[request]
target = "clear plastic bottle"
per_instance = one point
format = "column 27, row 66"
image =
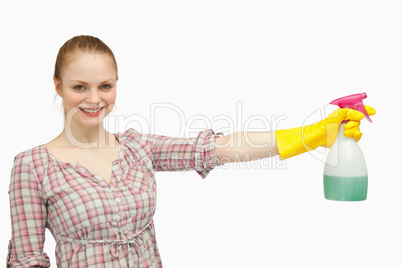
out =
column 345, row 170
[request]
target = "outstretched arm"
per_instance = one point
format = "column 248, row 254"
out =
column 245, row 146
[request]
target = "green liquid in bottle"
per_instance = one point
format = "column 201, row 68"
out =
column 345, row 188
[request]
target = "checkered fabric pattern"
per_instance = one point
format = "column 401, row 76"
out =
column 96, row 224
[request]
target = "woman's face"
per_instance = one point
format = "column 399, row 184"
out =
column 88, row 82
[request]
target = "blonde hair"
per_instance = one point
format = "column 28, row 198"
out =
column 81, row 43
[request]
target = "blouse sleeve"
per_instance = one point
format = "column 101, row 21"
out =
column 28, row 217
column 179, row 154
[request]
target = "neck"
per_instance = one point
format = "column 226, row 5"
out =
column 81, row 136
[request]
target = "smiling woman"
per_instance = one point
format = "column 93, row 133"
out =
column 94, row 190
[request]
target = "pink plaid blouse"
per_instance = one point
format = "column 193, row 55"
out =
column 93, row 223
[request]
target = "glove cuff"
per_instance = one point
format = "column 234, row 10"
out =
column 295, row 141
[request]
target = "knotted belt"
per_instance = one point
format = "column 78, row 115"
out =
column 135, row 239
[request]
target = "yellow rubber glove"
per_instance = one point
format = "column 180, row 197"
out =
column 295, row 141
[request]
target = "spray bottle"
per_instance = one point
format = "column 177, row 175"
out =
column 345, row 170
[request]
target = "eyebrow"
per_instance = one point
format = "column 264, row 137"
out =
column 82, row 82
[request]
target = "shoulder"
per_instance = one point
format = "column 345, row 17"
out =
column 137, row 142
column 131, row 135
column 34, row 159
column 131, row 132
column 30, row 154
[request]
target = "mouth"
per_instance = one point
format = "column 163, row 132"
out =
column 91, row 111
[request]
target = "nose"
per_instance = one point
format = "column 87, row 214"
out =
column 93, row 96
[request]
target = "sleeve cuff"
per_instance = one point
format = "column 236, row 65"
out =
column 204, row 154
column 25, row 261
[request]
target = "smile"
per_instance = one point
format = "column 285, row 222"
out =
column 90, row 111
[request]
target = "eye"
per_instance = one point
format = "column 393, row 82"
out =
column 79, row 87
column 106, row 86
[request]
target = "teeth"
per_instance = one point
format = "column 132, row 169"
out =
column 91, row 111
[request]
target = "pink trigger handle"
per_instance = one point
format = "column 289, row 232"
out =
column 355, row 102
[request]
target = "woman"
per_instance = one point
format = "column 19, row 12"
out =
column 95, row 191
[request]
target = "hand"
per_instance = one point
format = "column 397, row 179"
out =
column 352, row 129
column 291, row 142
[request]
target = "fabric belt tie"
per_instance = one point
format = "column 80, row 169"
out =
column 135, row 239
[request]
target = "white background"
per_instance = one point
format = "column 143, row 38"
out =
column 275, row 58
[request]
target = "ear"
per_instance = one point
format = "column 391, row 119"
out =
column 57, row 85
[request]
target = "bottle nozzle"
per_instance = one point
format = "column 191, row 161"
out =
column 354, row 101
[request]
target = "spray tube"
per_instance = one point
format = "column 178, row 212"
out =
column 345, row 170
